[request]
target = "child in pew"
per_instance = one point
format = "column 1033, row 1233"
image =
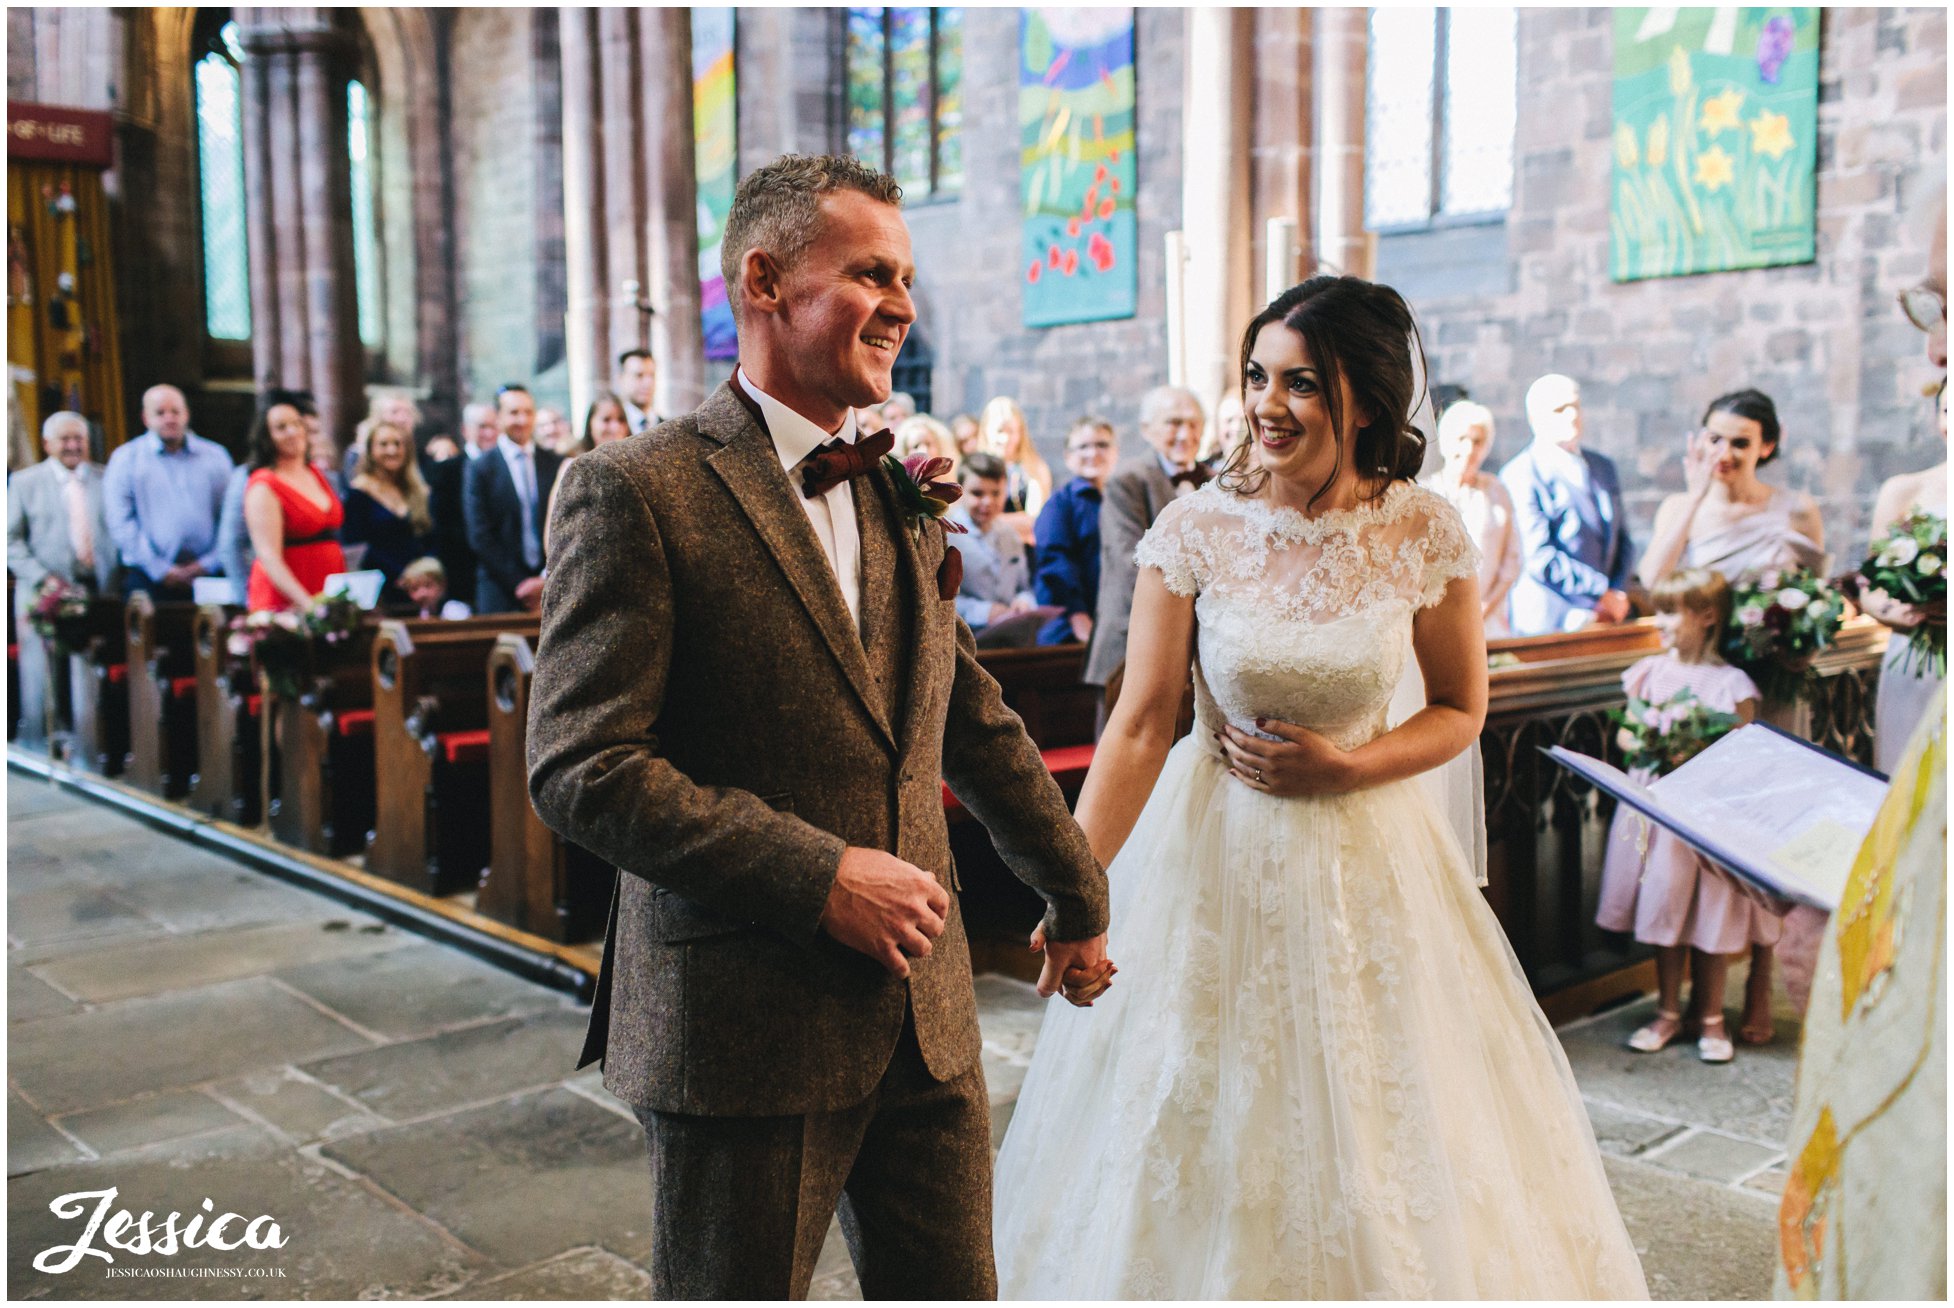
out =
column 426, row 583
column 1652, row 883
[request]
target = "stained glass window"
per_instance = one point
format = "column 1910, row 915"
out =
column 905, row 95
column 1440, row 114
column 220, row 170
column 366, row 251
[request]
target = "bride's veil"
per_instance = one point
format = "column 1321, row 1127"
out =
column 1458, row 787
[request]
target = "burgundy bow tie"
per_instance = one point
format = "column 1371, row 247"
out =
column 837, row 461
column 1197, row 476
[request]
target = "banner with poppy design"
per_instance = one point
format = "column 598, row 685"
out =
column 1076, row 165
column 1716, row 140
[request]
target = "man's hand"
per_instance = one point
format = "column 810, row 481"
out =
column 183, row 574
column 1081, row 626
column 529, row 593
column 885, row 908
column 1611, row 607
column 1078, row 967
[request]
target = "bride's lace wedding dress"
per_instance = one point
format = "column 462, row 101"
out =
column 1321, row 1073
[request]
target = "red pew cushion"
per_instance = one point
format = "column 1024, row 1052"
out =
column 1066, row 763
column 118, row 673
column 464, row 746
column 355, row 722
column 13, row 649
column 183, row 687
column 252, row 703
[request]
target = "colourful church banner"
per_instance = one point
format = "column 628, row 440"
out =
column 715, row 132
column 1716, row 140
column 1076, row 165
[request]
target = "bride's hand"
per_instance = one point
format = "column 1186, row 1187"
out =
column 1302, row 762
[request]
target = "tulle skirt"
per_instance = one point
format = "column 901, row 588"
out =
column 1320, row 1074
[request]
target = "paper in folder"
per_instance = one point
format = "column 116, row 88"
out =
column 1774, row 810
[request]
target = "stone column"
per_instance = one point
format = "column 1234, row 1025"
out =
column 672, row 211
column 1282, row 152
column 295, row 124
column 1340, row 43
column 1216, row 116
column 586, row 321
column 622, row 203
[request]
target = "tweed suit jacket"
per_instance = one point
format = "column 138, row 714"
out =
column 1134, row 496
column 707, row 716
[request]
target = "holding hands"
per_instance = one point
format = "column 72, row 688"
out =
column 1077, row 968
column 1301, row 762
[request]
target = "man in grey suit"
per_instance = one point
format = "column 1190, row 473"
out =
column 55, row 525
column 751, row 682
column 1171, row 421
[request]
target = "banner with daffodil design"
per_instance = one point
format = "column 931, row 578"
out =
column 1716, row 140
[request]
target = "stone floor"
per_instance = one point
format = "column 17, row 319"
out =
column 182, row 1028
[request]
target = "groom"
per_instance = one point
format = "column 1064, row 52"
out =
column 751, row 679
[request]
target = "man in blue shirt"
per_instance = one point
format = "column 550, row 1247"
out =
column 1068, row 533
column 162, row 495
column 1567, row 505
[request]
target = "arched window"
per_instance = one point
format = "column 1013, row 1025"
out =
column 220, row 174
column 360, row 153
column 905, row 96
column 1438, row 143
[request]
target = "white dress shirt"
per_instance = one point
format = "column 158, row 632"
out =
column 832, row 515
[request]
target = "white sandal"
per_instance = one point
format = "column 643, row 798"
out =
column 1715, row 1048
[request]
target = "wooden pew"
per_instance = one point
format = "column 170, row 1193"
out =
column 1042, row 685
column 321, row 785
column 431, row 750
column 535, row 880
column 160, row 641
column 226, row 782
column 98, row 686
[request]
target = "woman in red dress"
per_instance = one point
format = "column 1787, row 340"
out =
column 290, row 509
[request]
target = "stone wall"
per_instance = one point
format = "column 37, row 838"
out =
column 1501, row 304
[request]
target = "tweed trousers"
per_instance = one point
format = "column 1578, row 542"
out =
column 908, row 1170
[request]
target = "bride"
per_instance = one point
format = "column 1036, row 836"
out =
column 1322, row 1074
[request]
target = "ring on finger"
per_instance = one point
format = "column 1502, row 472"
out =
column 1258, row 776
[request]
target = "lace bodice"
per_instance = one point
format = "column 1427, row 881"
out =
column 1307, row 620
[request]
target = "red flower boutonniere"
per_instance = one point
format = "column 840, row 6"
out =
column 922, row 497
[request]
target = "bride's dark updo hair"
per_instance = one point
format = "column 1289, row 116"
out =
column 1361, row 332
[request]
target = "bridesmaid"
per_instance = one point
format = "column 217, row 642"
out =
column 1905, row 692
column 289, row 508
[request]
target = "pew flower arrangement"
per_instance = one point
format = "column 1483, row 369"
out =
column 1659, row 738
column 1910, row 565
column 59, row 605
column 284, row 641
column 1780, row 620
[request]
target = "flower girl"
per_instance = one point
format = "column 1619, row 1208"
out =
column 1651, row 882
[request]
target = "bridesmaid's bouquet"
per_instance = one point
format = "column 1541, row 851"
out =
column 1910, row 565
column 59, row 612
column 1659, row 738
column 1780, row 620
column 283, row 642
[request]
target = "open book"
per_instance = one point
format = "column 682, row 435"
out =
column 1774, row 810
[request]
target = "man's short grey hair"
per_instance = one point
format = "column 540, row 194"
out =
column 1549, row 393
column 59, row 419
column 476, row 411
column 778, row 209
column 1155, row 403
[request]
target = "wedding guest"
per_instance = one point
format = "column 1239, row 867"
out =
column 387, row 504
column 996, row 574
column 56, row 527
column 425, row 583
column 1726, row 517
column 324, row 453
column 1068, row 533
column 635, row 383
column 605, row 421
column 1907, row 687
column 1170, row 423
column 396, row 407
column 1574, row 537
column 478, row 426
column 162, row 493
column 964, row 428
column 922, row 434
column 1229, row 430
column 1029, row 484
column 444, row 478
column 1465, row 433
column 290, row 509
column 553, row 432
column 233, row 537
column 503, row 501
column 1654, row 885
column 440, row 449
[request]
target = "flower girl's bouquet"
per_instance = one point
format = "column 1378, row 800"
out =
column 1910, row 565
column 1779, row 622
column 1659, row 738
